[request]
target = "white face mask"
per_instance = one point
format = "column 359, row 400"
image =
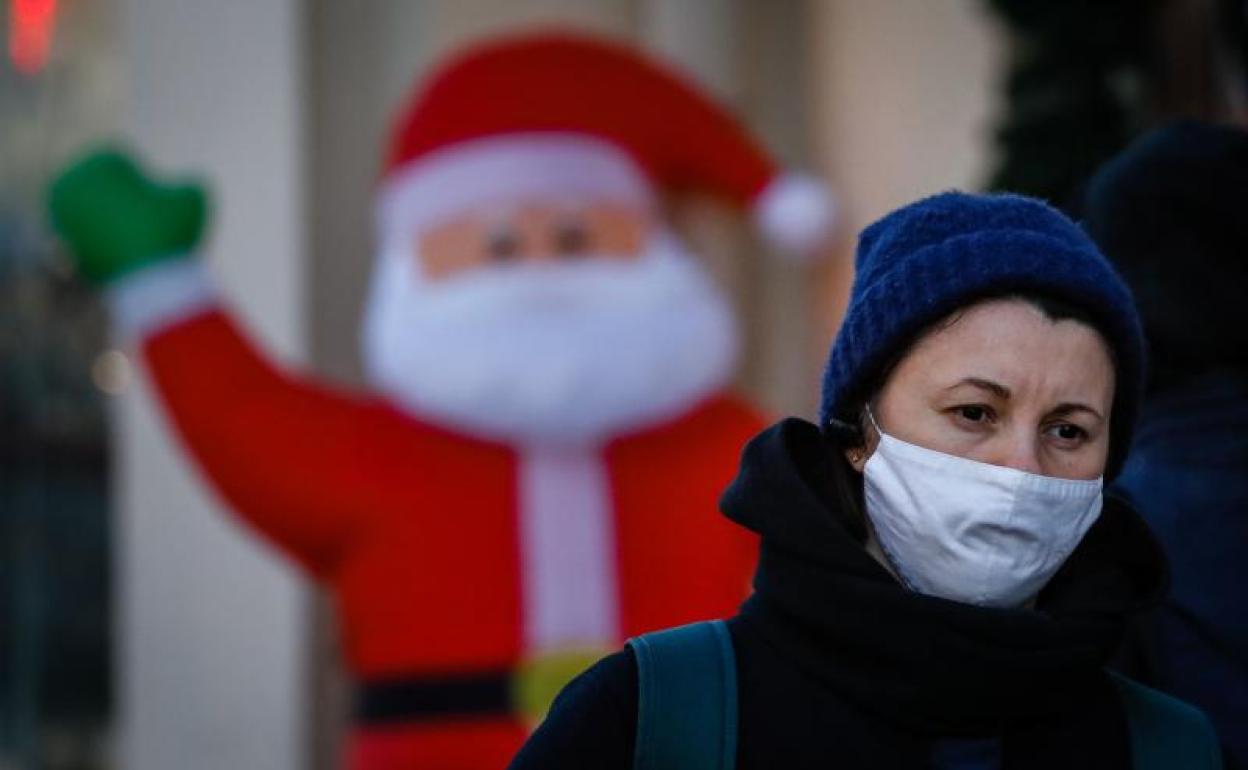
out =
column 969, row 531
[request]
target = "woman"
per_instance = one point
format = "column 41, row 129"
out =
column 940, row 582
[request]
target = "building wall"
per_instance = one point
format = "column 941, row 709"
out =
column 211, row 625
column 904, row 93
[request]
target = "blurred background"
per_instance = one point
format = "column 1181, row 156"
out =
column 141, row 629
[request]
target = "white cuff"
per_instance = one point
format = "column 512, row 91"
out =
column 160, row 295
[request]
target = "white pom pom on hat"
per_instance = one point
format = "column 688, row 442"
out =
column 796, row 212
column 563, row 114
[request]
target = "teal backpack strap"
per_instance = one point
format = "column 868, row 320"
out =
column 687, row 699
column 1165, row 732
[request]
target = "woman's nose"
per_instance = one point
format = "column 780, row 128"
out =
column 1020, row 452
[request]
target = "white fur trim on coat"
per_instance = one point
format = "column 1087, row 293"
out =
column 567, row 534
column 160, row 295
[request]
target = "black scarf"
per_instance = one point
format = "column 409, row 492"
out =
column 934, row 667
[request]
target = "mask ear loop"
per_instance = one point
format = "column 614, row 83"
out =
column 861, row 434
column 871, row 417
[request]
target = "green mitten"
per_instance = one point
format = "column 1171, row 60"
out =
column 116, row 220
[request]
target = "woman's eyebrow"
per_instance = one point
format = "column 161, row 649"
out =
column 995, row 388
column 1074, row 406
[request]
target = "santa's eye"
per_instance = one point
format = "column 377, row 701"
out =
column 571, row 237
column 503, row 244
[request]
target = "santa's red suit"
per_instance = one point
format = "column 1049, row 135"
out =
column 435, row 545
column 526, row 488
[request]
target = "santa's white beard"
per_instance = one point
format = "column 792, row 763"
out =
column 571, row 352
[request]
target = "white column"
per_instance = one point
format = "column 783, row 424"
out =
column 211, row 623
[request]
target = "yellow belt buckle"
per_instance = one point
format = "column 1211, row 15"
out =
column 539, row 678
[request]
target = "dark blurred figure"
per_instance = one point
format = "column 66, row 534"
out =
column 1172, row 211
column 1232, row 23
column 1065, row 106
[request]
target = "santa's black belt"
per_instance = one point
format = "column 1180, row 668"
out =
column 417, row 699
column 523, row 691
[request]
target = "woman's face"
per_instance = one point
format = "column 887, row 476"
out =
column 1001, row 383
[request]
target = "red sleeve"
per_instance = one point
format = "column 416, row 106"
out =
column 292, row 458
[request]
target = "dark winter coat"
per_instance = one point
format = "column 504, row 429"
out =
column 839, row 666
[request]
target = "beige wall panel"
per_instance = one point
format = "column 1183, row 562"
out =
column 904, row 94
column 211, row 623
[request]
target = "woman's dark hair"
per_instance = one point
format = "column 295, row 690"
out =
column 851, row 433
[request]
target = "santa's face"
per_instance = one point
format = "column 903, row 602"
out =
column 547, row 324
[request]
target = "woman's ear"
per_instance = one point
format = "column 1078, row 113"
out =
column 857, row 457
column 866, row 437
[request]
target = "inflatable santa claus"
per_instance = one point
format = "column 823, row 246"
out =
column 535, row 478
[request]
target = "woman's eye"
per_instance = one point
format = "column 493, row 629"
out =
column 974, row 413
column 571, row 238
column 1068, row 432
column 503, row 244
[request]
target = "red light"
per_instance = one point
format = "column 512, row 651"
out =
column 30, row 33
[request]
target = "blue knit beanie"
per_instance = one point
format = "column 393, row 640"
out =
column 925, row 260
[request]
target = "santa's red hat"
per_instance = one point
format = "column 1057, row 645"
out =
column 563, row 115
